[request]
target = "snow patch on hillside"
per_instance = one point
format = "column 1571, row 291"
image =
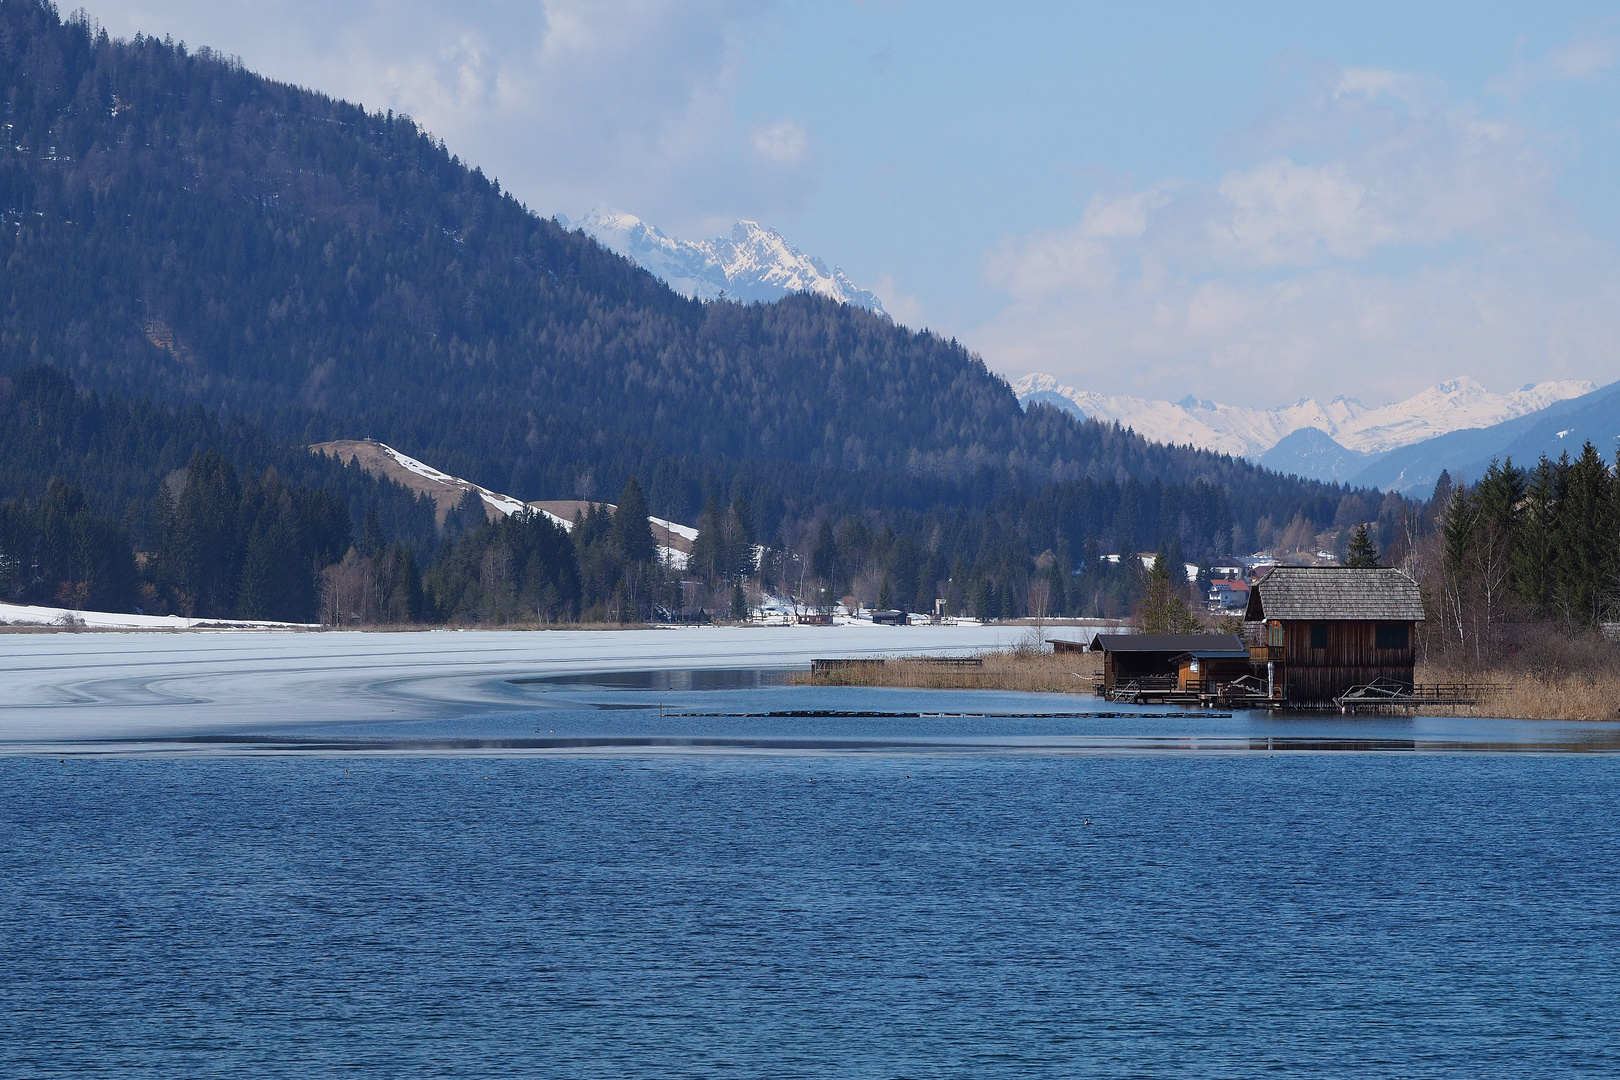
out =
column 504, row 503
column 671, row 554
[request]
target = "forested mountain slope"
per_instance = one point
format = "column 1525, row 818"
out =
column 177, row 226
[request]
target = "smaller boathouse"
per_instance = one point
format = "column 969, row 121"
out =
column 1168, row 667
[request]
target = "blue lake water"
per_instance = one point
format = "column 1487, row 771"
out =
column 591, row 886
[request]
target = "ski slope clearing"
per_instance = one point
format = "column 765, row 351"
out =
column 381, row 460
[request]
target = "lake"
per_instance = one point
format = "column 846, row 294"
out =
column 512, row 866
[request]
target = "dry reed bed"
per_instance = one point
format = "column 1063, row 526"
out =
column 1568, row 695
column 1005, row 670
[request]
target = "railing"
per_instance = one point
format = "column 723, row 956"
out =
column 851, row 664
column 1388, row 694
column 1262, row 654
column 1147, row 686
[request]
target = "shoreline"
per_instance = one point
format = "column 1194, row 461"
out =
column 1587, row 696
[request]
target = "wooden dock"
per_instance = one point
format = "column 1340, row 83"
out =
column 1398, row 697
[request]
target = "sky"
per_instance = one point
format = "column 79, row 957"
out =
column 1245, row 202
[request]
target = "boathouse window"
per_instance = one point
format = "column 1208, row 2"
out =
column 1393, row 635
column 1275, row 633
column 1318, row 635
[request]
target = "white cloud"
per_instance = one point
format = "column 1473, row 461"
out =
column 1122, row 215
column 1281, row 212
column 903, row 307
column 783, row 141
column 568, row 103
column 1582, row 58
column 1383, row 236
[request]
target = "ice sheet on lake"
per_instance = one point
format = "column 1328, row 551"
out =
column 112, row 685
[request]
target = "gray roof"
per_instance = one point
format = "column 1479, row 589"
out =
column 1336, row 593
column 1197, row 644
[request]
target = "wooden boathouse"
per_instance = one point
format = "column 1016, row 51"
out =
column 1320, row 631
column 1168, row 667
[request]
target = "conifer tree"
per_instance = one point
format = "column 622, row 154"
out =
column 1586, row 539
column 1163, row 610
column 1535, row 557
column 632, row 534
column 708, row 556
column 1361, row 552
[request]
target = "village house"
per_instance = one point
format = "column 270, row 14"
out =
column 1229, row 594
column 1319, row 631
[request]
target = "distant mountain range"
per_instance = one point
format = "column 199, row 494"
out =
column 1247, row 432
column 1458, row 426
column 753, row 263
column 1563, row 426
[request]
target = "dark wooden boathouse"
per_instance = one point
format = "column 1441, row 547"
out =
column 1159, row 666
column 1322, row 630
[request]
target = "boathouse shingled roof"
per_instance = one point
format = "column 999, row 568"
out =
column 1335, row 594
column 1196, row 644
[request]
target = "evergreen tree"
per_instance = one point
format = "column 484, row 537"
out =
column 202, row 556
column 824, row 557
column 1361, row 552
column 709, row 557
column 1586, row 532
column 1163, row 610
column 986, row 601
column 1535, row 558
column 632, row 534
column 1057, row 585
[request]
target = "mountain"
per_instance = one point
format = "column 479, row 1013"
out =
column 177, row 229
column 1562, row 426
column 1312, row 452
column 1246, row 432
column 753, row 263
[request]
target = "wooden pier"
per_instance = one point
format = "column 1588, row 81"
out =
column 1382, row 695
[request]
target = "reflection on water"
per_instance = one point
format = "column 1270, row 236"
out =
column 753, row 712
column 748, row 713
column 1595, row 742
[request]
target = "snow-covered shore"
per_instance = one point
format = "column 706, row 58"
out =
column 67, row 618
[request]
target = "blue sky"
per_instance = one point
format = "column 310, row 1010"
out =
column 1246, row 202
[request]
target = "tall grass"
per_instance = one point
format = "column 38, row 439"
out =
column 1009, row 669
column 1541, row 673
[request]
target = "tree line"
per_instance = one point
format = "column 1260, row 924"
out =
column 1536, row 544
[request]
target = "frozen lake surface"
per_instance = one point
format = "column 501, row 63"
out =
column 105, row 685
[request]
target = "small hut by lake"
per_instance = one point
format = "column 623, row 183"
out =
column 1326, row 629
column 1163, row 663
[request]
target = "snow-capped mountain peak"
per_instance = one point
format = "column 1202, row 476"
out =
column 753, row 263
column 1248, row 432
